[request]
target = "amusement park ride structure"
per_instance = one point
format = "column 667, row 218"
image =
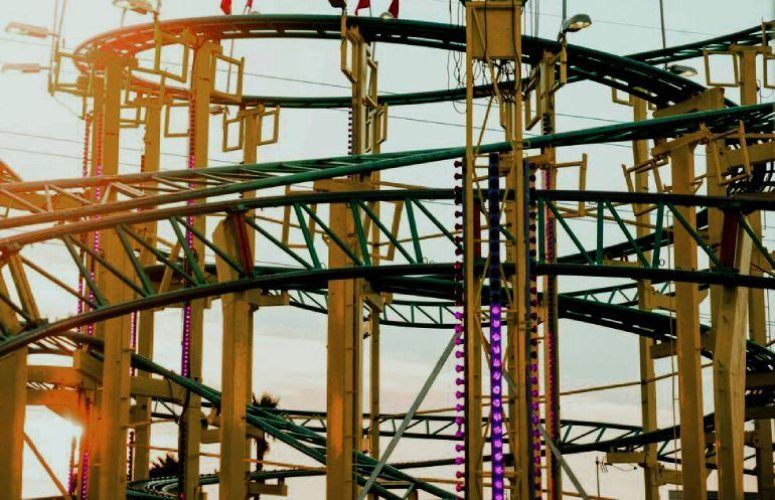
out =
column 482, row 268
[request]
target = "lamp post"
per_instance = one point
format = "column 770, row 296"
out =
column 577, row 22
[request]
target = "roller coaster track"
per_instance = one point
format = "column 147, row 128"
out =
column 635, row 73
column 72, row 199
column 297, row 427
column 63, row 212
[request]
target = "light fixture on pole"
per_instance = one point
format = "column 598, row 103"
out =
column 27, row 30
column 22, row 68
column 576, row 23
column 680, row 69
column 139, row 6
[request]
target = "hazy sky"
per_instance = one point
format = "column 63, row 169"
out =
column 41, row 137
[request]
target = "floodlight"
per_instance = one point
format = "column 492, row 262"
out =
column 679, row 69
column 576, row 23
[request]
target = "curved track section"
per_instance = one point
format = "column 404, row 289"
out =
column 423, row 290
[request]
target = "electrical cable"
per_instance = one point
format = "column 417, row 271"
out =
column 74, row 141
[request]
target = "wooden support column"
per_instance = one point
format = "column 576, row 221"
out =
column 13, row 401
column 113, row 417
column 757, row 312
column 493, row 35
column 345, row 307
column 729, row 366
column 551, row 360
column 374, row 384
column 375, row 310
column 88, row 445
column 688, row 332
column 345, row 317
column 145, row 319
column 648, row 388
column 474, row 436
column 249, row 157
column 199, row 126
column 235, row 364
column 757, row 331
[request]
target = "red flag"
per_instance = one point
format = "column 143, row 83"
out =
column 393, row 9
column 248, row 5
column 362, row 4
column 226, row 7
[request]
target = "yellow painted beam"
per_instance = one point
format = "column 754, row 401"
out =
column 729, row 377
column 688, row 331
column 280, row 490
column 757, row 318
column 146, row 319
column 199, row 124
column 59, row 375
column 113, row 418
column 648, row 388
column 234, row 369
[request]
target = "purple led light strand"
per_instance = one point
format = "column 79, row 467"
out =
column 133, row 337
column 496, row 366
column 84, row 173
column 185, row 362
column 71, row 473
column 185, row 355
column 130, row 460
column 459, row 328
column 97, row 160
column 85, row 459
column 551, row 400
column 533, row 368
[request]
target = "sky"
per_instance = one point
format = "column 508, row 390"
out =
column 41, row 137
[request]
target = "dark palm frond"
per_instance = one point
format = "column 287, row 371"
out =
column 266, row 401
column 165, row 466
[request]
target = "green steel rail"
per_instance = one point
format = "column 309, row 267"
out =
column 231, row 180
column 633, row 75
column 301, row 439
column 300, row 428
column 628, row 74
column 197, row 280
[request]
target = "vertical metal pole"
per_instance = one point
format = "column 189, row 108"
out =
column 113, row 418
column 193, row 312
column 145, row 326
column 474, row 439
column 648, row 388
column 688, row 334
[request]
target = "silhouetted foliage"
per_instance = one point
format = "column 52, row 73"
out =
column 164, row 467
column 266, row 401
